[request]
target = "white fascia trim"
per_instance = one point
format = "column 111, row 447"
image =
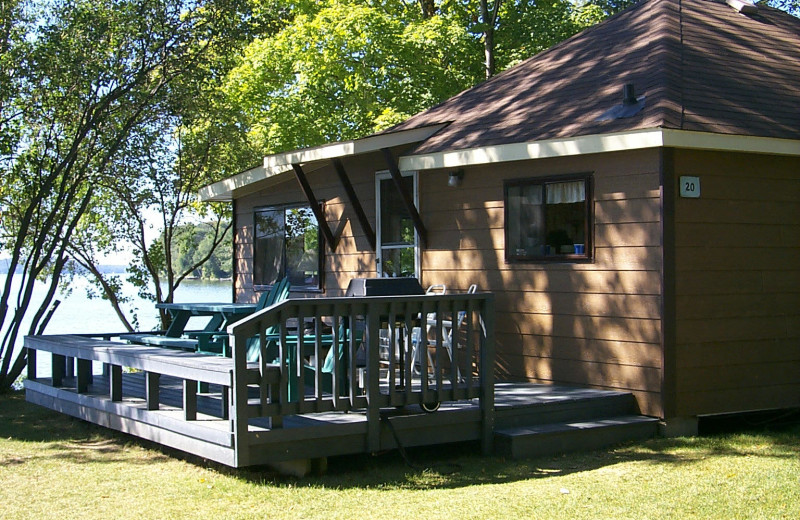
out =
column 281, row 163
column 355, row 147
column 602, row 143
column 730, row 143
column 222, row 191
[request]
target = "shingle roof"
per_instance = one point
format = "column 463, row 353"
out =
column 700, row 64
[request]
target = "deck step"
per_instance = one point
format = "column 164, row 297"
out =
column 547, row 405
column 564, row 437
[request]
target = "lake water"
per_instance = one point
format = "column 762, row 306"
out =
column 79, row 314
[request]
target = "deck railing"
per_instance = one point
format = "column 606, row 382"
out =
column 363, row 353
column 352, row 354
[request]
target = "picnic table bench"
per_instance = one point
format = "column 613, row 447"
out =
column 212, row 339
column 177, row 337
column 161, row 340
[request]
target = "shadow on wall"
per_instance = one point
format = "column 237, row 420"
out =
column 595, row 323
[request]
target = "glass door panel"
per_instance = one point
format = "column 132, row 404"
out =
column 397, row 239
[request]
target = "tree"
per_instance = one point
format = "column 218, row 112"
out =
column 192, row 242
column 153, row 184
column 488, row 19
column 89, row 72
column 344, row 70
column 790, row 6
column 188, row 140
column 12, row 26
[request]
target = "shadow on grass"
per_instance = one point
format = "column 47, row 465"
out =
column 435, row 467
column 461, row 465
column 67, row 438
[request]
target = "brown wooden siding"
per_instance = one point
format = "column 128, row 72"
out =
column 353, row 256
column 738, row 283
column 595, row 323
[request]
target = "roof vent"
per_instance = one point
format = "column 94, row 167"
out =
column 629, row 95
column 631, row 105
column 743, row 6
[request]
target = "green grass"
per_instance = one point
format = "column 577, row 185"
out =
column 52, row 466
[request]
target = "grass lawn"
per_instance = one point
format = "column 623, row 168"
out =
column 52, row 466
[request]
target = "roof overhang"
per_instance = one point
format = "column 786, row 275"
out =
column 277, row 164
column 601, row 143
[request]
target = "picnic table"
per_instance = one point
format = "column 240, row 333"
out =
column 176, row 336
column 221, row 314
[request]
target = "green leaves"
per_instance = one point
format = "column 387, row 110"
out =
column 790, row 6
column 82, row 85
column 343, row 71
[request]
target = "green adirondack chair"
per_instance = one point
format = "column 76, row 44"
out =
column 216, row 343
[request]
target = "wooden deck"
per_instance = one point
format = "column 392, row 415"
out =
column 242, row 414
column 517, row 405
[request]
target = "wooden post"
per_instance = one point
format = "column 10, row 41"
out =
column 115, row 383
column 422, row 353
column 487, row 376
column 372, row 338
column 340, row 333
column 190, row 400
column 31, row 364
column 57, row 365
column 469, row 343
column 225, row 397
column 151, row 389
column 239, row 388
column 84, row 375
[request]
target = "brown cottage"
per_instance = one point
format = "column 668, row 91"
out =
column 631, row 196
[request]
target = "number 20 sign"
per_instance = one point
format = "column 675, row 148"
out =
column 690, row 187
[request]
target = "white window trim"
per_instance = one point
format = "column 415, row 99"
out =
column 381, row 176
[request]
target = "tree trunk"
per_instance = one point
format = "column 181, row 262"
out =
column 488, row 47
column 428, row 8
column 489, row 20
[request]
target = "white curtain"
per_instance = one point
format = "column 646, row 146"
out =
column 566, row 192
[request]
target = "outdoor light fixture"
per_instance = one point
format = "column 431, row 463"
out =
column 455, row 179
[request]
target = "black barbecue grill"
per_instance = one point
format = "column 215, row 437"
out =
column 384, row 287
column 388, row 287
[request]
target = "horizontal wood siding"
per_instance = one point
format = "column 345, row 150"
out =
column 738, row 283
column 353, row 256
column 594, row 323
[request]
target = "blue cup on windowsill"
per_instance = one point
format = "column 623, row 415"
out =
column 580, row 249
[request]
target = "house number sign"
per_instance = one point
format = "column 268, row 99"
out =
column 690, row 187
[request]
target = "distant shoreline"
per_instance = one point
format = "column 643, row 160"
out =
column 105, row 269
column 121, row 269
